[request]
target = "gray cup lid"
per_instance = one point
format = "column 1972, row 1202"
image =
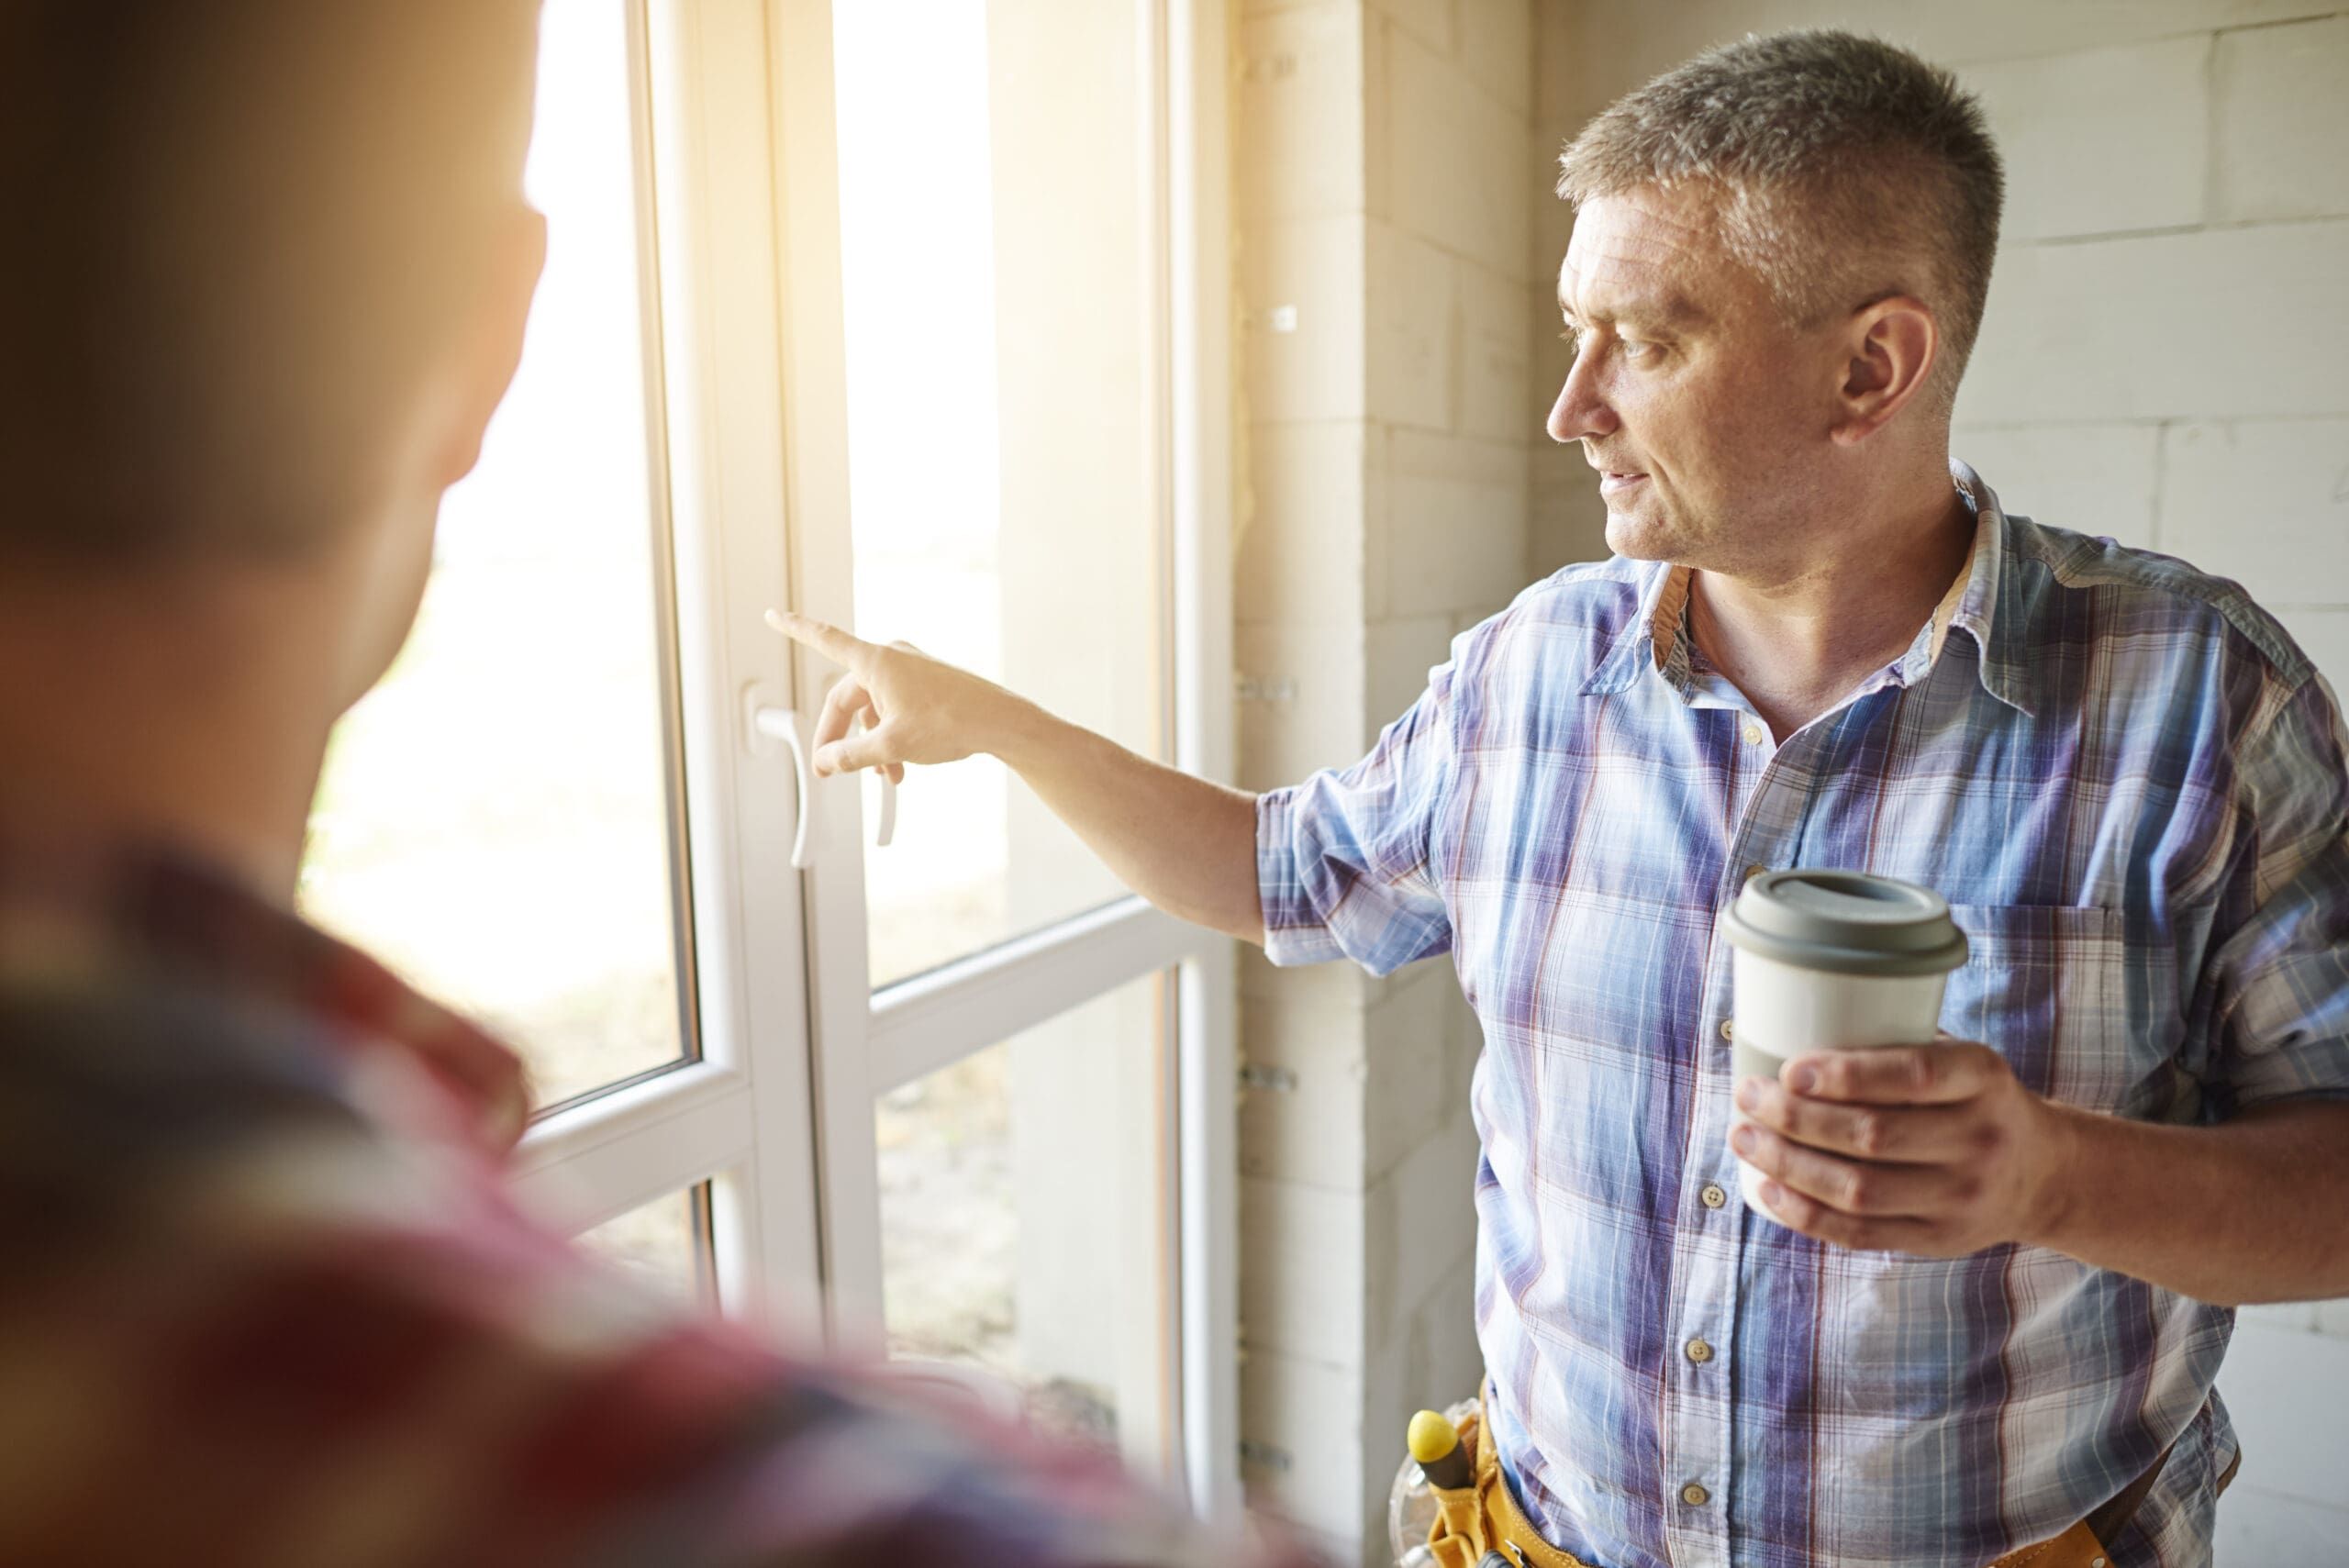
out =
column 1845, row 921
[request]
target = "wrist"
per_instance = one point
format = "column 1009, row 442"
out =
column 2059, row 1135
column 1016, row 732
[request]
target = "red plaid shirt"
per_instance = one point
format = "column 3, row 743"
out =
column 264, row 1298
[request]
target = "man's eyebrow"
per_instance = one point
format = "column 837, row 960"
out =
column 1664, row 310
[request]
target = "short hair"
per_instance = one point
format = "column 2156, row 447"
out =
column 1848, row 171
column 235, row 231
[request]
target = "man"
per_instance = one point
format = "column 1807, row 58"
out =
column 263, row 1298
column 1995, row 1299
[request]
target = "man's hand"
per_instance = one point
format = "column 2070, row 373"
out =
column 915, row 709
column 1933, row 1150
column 1186, row 845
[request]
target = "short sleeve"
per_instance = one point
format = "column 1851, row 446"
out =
column 2282, row 971
column 1343, row 861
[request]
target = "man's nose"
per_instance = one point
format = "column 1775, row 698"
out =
column 1580, row 412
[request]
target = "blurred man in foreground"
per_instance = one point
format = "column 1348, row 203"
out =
column 263, row 1298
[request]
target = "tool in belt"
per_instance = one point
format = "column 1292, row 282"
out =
column 1477, row 1523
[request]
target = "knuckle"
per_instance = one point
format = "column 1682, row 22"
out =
column 1858, row 1191
column 1869, row 1135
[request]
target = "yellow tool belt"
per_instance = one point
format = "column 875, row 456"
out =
column 1473, row 1521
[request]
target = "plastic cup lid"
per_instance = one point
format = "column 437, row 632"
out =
column 1845, row 921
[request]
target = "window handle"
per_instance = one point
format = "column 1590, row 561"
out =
column 785, row 728
column 770, row 722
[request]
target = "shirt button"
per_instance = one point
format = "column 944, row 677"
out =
column 1714, row 1194
column 1696, row 1497
column 1699, row 1352
column 1752, row 733
column 1752, row 871
column 1729, row 1030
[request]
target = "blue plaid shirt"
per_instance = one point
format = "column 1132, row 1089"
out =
column 2130, row 784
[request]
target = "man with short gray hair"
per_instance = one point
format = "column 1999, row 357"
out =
column 1981, row 1309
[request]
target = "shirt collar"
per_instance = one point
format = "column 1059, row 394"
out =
column 1651, row 644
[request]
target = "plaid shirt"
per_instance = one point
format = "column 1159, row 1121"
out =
column 263, row 1300
column 2128, row 783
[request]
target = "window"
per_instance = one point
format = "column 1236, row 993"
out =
column 999, row 323
column 1003, row 311
column 764, row 1047
column 665, row 1243
column 1023, row 1221
column 497, row 817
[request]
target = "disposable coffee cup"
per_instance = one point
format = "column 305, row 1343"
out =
column 1831, row 961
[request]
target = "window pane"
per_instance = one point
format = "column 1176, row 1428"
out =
column 665, row 1243
column 1003, row 497
column 1024, row 1211
column 495, row 819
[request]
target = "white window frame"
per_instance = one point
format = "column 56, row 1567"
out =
column 867, row 1043
column 738, row 1116
column 738, row 170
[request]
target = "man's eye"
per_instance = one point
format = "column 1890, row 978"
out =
column 1635, row 350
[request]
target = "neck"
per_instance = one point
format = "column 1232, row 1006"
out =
column 1797, row 641
column 163, row 708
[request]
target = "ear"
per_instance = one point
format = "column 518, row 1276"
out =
column 1893, row 345
column 494, row 336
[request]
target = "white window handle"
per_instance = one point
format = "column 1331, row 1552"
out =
column 768, row 721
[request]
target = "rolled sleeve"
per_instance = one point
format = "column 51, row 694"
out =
column 1343, row 861
column 2283, row 972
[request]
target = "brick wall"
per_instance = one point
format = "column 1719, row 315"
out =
column 2166, row 360
column 1384, row 206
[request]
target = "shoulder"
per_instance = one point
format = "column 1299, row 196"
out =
column 2144, row 605
column 1563, row 627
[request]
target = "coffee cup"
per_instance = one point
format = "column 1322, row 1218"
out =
column 1831, row 961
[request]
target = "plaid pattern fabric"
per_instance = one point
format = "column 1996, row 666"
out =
column 263, row 1300
column 2128, row 783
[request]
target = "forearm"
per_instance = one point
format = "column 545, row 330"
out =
column 1185, row 844
column 2255, row 1209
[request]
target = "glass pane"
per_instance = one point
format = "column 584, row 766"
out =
column 1003, row 500
column 665, row 1243
column 494, row 820
column 1025, row 1199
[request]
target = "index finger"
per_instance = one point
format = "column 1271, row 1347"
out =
column 1897, row 1074
column 848, row 652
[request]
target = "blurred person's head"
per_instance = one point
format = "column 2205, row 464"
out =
column 1781, row 254
column 263, row 278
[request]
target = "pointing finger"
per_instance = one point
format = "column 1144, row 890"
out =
column 822, row 637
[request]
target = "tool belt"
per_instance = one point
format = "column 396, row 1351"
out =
column 1485, row 1518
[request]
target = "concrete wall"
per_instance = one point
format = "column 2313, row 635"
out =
column 1383, row 201
column 2166, row 360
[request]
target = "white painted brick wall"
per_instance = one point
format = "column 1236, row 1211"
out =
column 2221, row 323
column 1414, row 318
column 1387, row 451
column 2265, row 501
column 2092, row 479
column 1300, row 92
column 2102, row 139
column 1455, row 521
column 1454, row 176
column 2283, row 131
column 2166, row 360
column 1303, row 557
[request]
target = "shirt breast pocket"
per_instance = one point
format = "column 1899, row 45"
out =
column 2047, row 987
